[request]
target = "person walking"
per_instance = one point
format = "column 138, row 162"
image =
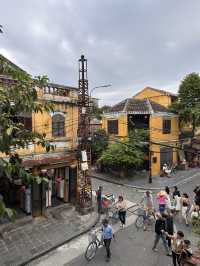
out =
column 99, row 199
column 169, row 227
column 185, row 207
column 168, row 199
column 162, row 199
column 147, row 200
column 186, row 254
column 177, row 246
column 160, row 228
column 197, row 197
column 176, row 192
column 177, row 201
column 107, row 235
column 121, row 206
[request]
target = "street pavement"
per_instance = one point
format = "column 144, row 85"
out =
column 41, row 234
column 131, row 247
column 77, row 247
column 140, row 180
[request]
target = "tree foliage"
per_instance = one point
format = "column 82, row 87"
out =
column 127, row 153
column 18, row 97
column 11, row 214
column 99, row 143
column 188, row 104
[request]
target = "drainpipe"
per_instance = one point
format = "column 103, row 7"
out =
column 150, row 173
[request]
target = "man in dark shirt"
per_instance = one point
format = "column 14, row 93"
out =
column 197, row 196
column 99, row 199
column 169, row 227
column 176, row 192
column 160, row 228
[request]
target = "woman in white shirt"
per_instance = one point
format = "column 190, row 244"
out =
column 121, row 206
column 168, row 201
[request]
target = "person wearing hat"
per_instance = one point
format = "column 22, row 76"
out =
column 162, row 200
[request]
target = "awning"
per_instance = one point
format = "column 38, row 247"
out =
column 49, row 161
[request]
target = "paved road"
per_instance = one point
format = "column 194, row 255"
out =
column 131, row 248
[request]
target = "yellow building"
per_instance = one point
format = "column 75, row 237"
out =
column 60, row 128
column 162, row 97
column 145, row 110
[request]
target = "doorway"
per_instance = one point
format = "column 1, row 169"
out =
column 166, row 156
column 72, row 184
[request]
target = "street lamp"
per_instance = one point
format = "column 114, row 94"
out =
column 102, row 86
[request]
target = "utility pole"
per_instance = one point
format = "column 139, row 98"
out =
column 84, row 146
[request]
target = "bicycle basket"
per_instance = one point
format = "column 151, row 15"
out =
column 92, row 236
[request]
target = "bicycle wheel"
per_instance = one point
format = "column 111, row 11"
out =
column 91, row 251
column 139, row 223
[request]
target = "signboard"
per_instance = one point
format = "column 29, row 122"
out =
column 84, row 156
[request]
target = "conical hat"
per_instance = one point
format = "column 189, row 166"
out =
column 162, row 193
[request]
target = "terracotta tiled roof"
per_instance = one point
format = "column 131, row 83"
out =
column 137, row 106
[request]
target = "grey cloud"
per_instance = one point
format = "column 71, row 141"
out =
column 130, row 44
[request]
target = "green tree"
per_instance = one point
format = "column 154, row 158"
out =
column 18, row 97
column 127, row 153
column 188, row 104
column 99, row 143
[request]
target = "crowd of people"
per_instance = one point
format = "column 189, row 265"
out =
column 169, row 204
column 181, row 203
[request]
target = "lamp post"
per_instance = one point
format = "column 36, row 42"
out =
column 97, row 87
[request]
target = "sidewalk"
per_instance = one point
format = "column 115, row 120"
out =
column 22, row 243
column 141, row 181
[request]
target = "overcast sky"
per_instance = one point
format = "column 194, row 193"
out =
column 128, row 43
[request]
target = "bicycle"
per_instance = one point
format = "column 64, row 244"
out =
column 94, row 244
column 113, row 215
column 144, row 218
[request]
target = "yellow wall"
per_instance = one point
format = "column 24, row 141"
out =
column 122, row 124
column 155, row 96
column 42, row 123
column 156, row 125
column 156, row 135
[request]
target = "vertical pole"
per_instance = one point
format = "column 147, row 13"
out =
column 84, row 180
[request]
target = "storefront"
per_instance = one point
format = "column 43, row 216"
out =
column 60, row 173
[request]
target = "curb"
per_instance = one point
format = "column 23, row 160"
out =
column 183, row 181
column 122, row 184
column 60, row 244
